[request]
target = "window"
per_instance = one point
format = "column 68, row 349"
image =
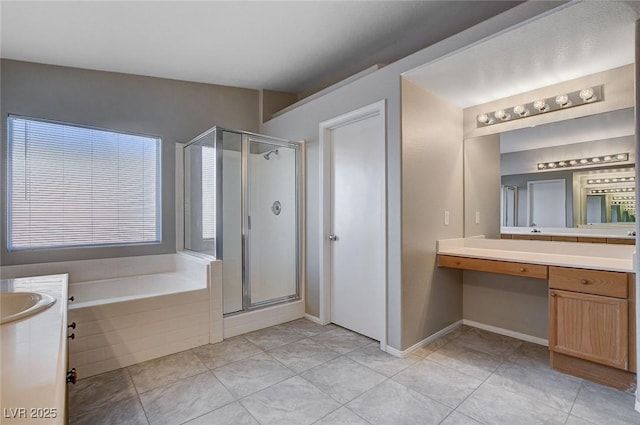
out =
column 208, row 192
column 71, row 186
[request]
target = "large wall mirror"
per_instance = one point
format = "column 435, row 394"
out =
column 540, row 188
column 577, row 46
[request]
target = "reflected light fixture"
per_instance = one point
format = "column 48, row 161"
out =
column 584, row 162
column 541, row 106
column 611, row 180
column 613, row 190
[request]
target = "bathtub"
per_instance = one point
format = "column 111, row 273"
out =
column 132, row 309
column 107, row 291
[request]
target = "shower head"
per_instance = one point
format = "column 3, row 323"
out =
column 268, row 154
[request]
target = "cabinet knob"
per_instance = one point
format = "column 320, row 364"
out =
column 553, row 294
column 522, row 269
column 71, row 298
column 72, row 325
column 72, row 376
column 584, row 281
column 72, row 336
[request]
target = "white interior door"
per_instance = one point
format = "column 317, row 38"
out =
column 547, row 203
column 358, row 226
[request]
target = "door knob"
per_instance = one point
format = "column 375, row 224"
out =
column 333, row 237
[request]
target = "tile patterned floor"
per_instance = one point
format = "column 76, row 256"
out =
column 302, row 373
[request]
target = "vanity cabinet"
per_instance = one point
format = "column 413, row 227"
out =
column 535, row 271
column 592, row 325
column 592, row 331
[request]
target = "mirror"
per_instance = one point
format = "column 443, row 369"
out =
column 539, row 188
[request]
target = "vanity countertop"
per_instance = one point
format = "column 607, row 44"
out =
column 33, row 356
column 564, row 254
column 589, row 232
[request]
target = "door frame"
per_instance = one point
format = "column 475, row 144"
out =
column 324, row 214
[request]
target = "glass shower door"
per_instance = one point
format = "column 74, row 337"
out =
column 230, row 193
column 272, row 222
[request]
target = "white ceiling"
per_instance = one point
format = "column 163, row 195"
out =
column 580, row 39
column 288, row 46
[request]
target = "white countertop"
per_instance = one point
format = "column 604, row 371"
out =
column 586, row 232
column 563, row 254
column 33, row 356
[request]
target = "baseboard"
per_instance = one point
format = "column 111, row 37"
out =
column 506, row 332
column 314, row 319
column 428, row 340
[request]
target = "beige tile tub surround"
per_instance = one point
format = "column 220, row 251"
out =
column 119, row 333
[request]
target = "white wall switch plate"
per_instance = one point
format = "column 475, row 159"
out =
column 446, row 218
column 477, row 217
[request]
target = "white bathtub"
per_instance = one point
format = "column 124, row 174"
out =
column 107, row 291
column 132, row 309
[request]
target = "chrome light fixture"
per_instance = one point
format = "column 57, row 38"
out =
column 584, row 162
column 541, row 106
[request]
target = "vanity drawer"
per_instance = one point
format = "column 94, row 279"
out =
column 596, row 282
column 535, row 271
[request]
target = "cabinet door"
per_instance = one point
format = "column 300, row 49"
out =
column 591, row 327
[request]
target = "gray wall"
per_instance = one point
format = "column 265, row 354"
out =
column 176, row 111
column 518, row 304
column 302, row 123
column 431, row 180
column 482, row 186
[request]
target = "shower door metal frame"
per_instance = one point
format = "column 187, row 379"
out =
column 247, row 139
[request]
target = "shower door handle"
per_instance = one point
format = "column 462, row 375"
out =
column 333, row 237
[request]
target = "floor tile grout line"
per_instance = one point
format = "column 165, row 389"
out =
column 574, row 400
column 146, row 416
column 474, row 391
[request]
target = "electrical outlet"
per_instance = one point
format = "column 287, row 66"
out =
column 446, row 218
column 477, row 217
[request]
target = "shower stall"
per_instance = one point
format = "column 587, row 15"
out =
column 243, row 205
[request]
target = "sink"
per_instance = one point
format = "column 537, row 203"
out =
column 16, row 305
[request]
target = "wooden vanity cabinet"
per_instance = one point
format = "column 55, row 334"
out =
column 592, row 325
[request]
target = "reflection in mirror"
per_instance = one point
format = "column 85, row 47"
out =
column 597, row 190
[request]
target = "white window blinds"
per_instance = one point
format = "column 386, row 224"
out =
column 208, row 192
column 76, row 186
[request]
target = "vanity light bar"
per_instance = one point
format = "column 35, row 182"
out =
column 610, row 180
column 542, row 106
column 623, row 198
column 623, row 202
column 616, row 190
column 583, row 162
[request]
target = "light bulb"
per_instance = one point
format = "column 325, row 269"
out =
column 621, row 156
column 501, row 115
column 551, row 165
column 562, row 163
column 541, row 105
column 563, row 100
column 596, row 159
column 607, row 158
column 587, row 95
column 520, row 110
column 573, row 162
column 484, row 119
column 541, row 166
column 584, row 161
